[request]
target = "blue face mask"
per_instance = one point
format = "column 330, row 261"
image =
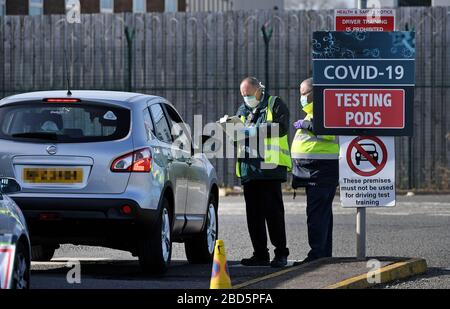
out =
column 251, row 101
column 304, row 100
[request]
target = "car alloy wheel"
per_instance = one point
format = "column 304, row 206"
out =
column 20, row 272
column 211, row 228
column 165, row 234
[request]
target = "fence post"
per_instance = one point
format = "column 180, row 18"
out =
column 129, row 33
column 267, row 31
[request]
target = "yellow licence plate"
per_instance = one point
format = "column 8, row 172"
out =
column 53, row 175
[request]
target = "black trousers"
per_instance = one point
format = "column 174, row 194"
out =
column 264, row 204
column 319, row 214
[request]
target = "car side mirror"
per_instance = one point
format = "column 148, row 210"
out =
column 9, row 185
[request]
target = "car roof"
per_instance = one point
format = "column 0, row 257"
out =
column 115, row 97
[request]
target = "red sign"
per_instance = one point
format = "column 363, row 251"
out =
column 370, row 154
column 364, row 20
column 364, row 108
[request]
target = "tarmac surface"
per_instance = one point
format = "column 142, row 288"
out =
column 419, row 226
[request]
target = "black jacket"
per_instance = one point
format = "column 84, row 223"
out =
column 251, row 166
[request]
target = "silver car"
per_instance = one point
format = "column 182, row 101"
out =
column 101, row 168
column 13, row 231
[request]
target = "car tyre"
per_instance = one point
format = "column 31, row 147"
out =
column 200, row 248
column 155, row 248
column 21, row 270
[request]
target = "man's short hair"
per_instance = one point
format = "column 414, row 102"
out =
column 309, row 81
column 253, row 81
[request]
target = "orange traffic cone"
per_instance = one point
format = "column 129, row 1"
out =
column 220, row 278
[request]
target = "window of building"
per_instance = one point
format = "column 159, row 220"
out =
column 414, row 3
column 171, row 5
column 106, row 6
column 2, row 7
column 139, row 6
column 36, row 7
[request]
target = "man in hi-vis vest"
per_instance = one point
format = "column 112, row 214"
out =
column 315, row 167
column 266, row 125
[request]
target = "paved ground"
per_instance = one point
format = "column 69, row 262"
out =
column 418, row 226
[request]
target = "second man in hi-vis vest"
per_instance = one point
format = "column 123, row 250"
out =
column 266, row 121
column 315, row 167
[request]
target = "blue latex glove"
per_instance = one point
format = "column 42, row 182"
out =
column 298, row 124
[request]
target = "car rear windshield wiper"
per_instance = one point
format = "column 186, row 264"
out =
column 37, row 135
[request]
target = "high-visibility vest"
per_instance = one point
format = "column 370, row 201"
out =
column 306, row 145
column 276, row 149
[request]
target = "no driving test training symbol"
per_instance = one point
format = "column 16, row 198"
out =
column 367, row 171
column 367, row 152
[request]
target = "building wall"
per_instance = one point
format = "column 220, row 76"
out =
column 440, row 2
column 20, row 7
column 235, row 5
column 260, row 5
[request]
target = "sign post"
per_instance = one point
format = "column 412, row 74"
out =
column 364, row 85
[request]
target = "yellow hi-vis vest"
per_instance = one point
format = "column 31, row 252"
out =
column 306, row 145
column 276, row 149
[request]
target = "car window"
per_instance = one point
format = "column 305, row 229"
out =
column 64, row 122
column 178, row 128
column 162, row 130
column 369, row 147
column 148, row 124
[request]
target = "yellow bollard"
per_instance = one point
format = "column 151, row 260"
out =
column 220, row 278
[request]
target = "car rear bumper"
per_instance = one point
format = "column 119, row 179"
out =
column 88, row 221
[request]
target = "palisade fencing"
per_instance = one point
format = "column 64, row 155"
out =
column 196, row 60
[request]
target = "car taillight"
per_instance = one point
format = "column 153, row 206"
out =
column 138, row 161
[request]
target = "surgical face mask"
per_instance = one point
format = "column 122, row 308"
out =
column 304, row 100
column 251, row 101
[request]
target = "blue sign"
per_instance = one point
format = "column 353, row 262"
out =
column 364, row 45
column 384, row 61
column 364, row 72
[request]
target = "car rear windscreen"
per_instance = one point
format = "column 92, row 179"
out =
column 64, row 122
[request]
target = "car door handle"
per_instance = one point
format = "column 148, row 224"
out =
column 189, row 161
column 169, row 158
